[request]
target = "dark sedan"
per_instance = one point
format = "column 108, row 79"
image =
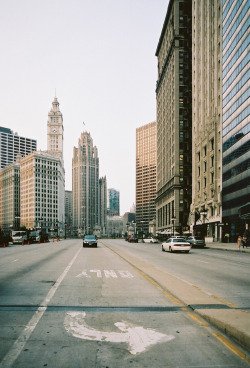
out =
column 89, row 241
column 133, row 239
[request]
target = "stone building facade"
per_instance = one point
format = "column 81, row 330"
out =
column 206, row 208
column 174, row 118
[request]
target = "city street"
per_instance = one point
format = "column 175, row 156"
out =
column 120, row 305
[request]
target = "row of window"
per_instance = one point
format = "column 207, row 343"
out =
column 233, row 75
column 238, row 4
column 243, row 80
column 236, row 137
column 236, row 57
column 235, row 106
column 244, row 148
column 235, row 25
column 165, row 214
column 236, row 40
column 236, row 121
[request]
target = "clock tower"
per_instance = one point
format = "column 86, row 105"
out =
column 55, row 130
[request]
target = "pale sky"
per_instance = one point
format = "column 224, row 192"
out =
column 99, row 56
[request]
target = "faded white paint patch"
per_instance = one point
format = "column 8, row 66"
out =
column 126, row 274
column 110, row 273
column 83, row 274
column 106, row 273
column 138, row 338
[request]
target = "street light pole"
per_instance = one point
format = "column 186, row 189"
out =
column 173, row 220
column 204, row 214
column 142, row 229
column 65, row 228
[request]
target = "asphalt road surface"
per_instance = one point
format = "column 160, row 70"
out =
column 62, row 305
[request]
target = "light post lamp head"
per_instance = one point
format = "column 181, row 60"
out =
column 204, row 214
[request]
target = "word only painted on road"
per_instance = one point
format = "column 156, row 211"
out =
column 106, row 273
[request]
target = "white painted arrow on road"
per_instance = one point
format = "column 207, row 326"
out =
column 138, row 338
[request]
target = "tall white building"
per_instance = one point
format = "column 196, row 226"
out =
column 42, row 180
column 85, row 185
column 42, row 192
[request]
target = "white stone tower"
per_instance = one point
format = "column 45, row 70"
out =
column 55, row 129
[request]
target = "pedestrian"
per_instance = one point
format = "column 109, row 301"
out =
column 244, row 241
column 239, row 241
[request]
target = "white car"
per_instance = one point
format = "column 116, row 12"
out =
column 150, row 240
column 176, row 245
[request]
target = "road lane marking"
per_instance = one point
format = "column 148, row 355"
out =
column 107, row 273
column 138, row 338
column 197, row 319
column 231, row 346
column 19, row 344
column 223, row 301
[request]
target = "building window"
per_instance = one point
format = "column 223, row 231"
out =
column 212, row 144
column 212, row 161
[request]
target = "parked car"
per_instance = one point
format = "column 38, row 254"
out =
column 89, row 241
column 133, row 239
column 150, row 240
column 176, row 245
column 196, row 241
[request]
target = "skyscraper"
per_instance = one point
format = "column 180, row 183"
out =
column 236, row 123
column 103, row 204
column 206, row 208
column 10, row 196
column 85, row 182
column 145, row 175
column 114, row 202
column 174, row 118
column 11, row 145
column 68, row 212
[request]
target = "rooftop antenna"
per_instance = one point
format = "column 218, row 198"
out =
column 55, row 92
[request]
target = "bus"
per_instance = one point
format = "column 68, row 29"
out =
column 19, row 237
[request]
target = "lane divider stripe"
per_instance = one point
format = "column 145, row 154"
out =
column 19, row 344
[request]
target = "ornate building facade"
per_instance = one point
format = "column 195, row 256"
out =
column 85, row 185
column 174, row 118
column 206, row 208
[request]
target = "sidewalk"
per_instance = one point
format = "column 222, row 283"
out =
column 228, row 246
column 234, row 322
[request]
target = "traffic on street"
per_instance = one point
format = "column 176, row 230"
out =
column 122, row 305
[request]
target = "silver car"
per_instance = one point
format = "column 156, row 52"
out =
column 196, row 241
